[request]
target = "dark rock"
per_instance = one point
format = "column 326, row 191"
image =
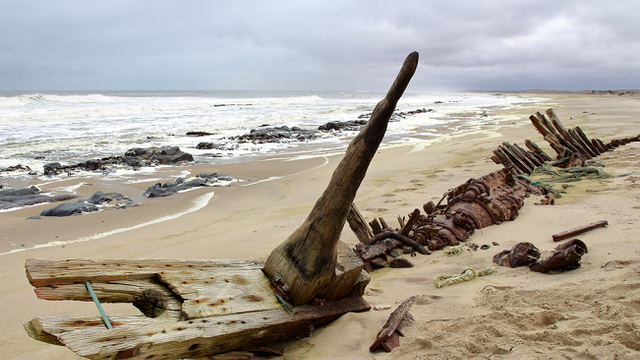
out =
column 67, row 209
column 276, row 134
column 88, row 205
column 101, row 198
column 12, row 198
column 198, row 133
column 169, row 188
column 99, row 164
column 207, row 146
column 208, row 175
column 213, row 177
column 353, row 125
column 52, row 168
column 10, row 193
column 15, row 168
column 212, row 155
column 398, row 115
column 166, row 155
column 400, row 262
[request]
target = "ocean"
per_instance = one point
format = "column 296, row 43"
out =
column 70, row 127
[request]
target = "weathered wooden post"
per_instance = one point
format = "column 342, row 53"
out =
column 307, row 260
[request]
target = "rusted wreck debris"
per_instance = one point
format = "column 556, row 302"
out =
column 565, row 257
column 478, row 203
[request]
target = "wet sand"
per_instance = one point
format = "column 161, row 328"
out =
column 591, row 312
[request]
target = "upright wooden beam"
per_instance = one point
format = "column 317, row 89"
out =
column 359, row 225
column 306, row 261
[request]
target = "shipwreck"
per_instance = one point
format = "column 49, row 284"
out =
column 196, row 309
column 200, row 309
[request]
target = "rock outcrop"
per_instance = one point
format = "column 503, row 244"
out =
column 93, row 203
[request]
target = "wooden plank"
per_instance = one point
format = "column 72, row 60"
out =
column 570, row 140
column 152, row 298
column 359, row 225
column 536, row 149
column 413, row 219
column 42, row 272
column 221, row 291
column 388, row 336
column 586, row 140
column 139, row 337
column 579, row 230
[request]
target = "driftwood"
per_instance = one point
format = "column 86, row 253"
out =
column 389, row 336
column 579, row 230
column 306, row 261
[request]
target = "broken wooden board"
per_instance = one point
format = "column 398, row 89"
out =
column 209, row 293
column 389, row 336
column 195, row 308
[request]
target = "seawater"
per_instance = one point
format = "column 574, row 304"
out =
column 69, row 127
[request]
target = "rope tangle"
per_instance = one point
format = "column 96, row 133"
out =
column 467, row 274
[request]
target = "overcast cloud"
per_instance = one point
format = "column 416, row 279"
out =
column 318, row 45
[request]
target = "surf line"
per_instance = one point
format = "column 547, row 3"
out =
column 326, row 162
column 198, row 203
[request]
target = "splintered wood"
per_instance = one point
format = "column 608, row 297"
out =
column 201, row 307
column 389, row 336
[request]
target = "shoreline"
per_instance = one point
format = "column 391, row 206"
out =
column 248, row 221
column 147, row 211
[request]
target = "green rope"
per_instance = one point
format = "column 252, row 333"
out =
column 547, row 177
column 467, row 274
column 458, row 249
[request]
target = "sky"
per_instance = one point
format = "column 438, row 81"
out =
column 319, row 45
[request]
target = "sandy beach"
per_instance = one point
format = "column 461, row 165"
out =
column 589, row 313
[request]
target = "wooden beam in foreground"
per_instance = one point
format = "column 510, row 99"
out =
column 194, row 308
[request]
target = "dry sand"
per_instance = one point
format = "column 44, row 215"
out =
column 589, row 313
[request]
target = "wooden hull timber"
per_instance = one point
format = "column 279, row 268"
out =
column 201, row 307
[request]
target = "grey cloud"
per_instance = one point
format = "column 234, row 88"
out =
column 318, row 45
